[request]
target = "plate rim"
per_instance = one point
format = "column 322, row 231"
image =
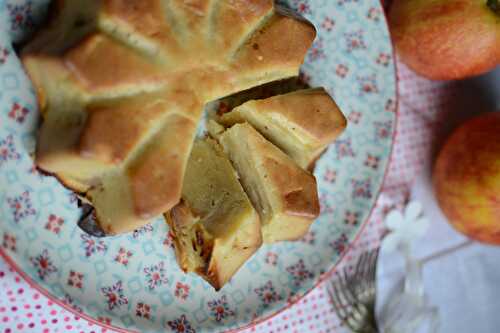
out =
column 39, row 288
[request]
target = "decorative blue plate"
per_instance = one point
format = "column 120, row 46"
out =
column 133, row 282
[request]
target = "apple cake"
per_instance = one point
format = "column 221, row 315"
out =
column 121, row 86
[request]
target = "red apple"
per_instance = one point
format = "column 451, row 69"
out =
column 467, row 178
column 447, row 39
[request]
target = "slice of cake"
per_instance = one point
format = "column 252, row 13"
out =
column 284, row 194
column 215, row 227
column 302, row 123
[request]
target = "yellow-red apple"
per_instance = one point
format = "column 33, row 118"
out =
column 467, row 178
column 447, row 39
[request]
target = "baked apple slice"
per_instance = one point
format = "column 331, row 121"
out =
column 215, row 227
column 283, row 193
column 301, row 123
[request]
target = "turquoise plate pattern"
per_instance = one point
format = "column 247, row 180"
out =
column 132, row 282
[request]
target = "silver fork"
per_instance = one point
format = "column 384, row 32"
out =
column 353, row 294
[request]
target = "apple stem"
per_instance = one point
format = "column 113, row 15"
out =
column 494, row 6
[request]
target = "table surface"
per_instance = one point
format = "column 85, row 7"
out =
column 462, row 283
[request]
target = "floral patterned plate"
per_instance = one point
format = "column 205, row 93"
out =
column 132, row 282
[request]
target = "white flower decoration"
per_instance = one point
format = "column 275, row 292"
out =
column 404, row 229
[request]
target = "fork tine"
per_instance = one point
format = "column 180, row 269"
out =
column 345, row 282
column 344, row 293
column 352, row 294
column 344, row 310
column 336, row 302
column 340, row 307
column 365, row 283
column 350, row 284
column 375, row 260
column 356, row 282
column 365, row 275
column 360, row 264
column 356, row 305
column 372, row 272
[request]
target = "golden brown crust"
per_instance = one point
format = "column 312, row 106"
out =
column 146, row 20
column 112, row 132
column 312, row 164
column 39, row 67
column 301, row 123
column 193, row 13
column 72, row 184
column 313, row 110
column 242, row 16
column 98, row 64
column 181, row 221
column 299, row 195
column 27, row 60
column 153, row 190
column 280, row 45
column 296, row 188
column 146, row 17
column 68, row 182
column 179, row 218
column 284, row 194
